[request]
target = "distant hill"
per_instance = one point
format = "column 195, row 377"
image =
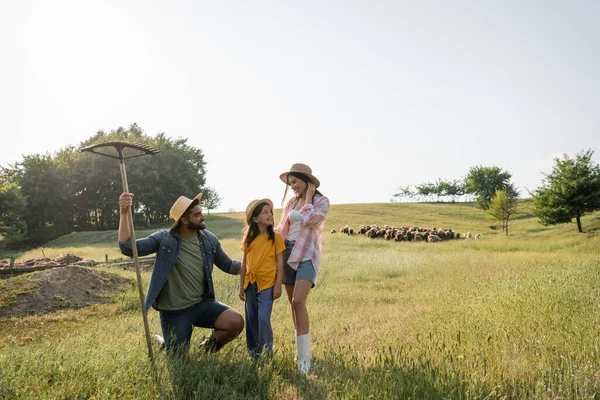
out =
column 460, row 217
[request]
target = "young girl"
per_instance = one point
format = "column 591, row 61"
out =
column 261, row 275
column 301, row 226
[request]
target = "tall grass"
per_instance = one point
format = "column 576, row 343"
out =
column 502, row 317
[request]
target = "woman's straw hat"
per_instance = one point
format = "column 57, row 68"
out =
column 301, row 169
column 180, row 206
column 252, row 206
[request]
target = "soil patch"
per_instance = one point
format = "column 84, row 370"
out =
column 61, row 288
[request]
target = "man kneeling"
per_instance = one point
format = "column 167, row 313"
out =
column 181, row 286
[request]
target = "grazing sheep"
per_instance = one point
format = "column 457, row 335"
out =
column 333, row 231
column 344, row 229
column 433, row 239
column 478, row 236
column 468, row 235
column 350, row 231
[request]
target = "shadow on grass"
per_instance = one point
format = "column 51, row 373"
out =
column 341, row 373
column 524, row 215
column 391, row 377
column 232, row 374
column 540, row 229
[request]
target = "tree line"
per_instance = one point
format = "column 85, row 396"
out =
column 44, row 196
column 570, row 191
column 479, row 186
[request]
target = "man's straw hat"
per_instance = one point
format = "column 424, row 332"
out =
column 252, row 206
column 180, row 206
column 302, row 169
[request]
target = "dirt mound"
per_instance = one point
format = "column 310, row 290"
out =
column 64, row 288
column 63, row 259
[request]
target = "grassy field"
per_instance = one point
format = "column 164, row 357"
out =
column 501, row 317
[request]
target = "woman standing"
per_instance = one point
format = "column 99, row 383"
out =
column 301, row 226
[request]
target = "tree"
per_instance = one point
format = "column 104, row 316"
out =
column 210, row 199
column 455, row 189
column 502, row 207
column 404, row 192
column 12, row 208
column 570, row 191
column 179, row 169
column 483, row 182
column 440, row 188
column 71, row 190
column 42, row 182
column 424, row 190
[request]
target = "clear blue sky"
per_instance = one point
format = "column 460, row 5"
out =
column 372, row 95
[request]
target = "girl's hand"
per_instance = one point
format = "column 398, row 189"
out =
column 310, row 190
column 242, row 294
column 276, row 292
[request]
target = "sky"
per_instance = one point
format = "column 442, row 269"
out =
column 372, row 95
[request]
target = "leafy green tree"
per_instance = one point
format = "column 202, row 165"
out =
column 440, row 188
column 179, row 169
column 570, row 191
column 405, row 192
column 12, row 208
column 455, row 189
column 426, row 189
column 483, row 182
column 503, row 208
column 71, row 190
column 210, row 199
column 42, row 182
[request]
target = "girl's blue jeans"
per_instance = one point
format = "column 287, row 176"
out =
column 259, row 334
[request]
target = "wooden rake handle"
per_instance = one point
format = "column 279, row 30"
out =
column 142, row 151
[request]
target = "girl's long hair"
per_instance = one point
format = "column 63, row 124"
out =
column 303, row 178
column 252, row 231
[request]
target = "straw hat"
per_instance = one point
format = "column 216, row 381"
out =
column 179, row 207
column 252, row 206
column 302, row 169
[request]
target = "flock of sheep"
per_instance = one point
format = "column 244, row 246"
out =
column 406, row 234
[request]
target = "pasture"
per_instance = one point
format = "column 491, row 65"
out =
column 501, row 317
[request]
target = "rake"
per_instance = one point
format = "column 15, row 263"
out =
column 141, row 150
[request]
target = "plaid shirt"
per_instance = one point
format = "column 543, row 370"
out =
column 310, row 239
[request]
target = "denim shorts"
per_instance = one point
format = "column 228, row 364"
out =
column 305, row 270
column 177, row 325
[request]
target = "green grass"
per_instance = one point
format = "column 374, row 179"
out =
column 502, row 317
column 10, row 289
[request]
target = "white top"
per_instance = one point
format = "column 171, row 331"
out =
column 295, row 219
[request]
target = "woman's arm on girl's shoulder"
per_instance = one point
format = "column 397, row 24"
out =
column 314, row 214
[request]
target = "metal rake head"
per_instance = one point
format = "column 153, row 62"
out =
column 119, row 145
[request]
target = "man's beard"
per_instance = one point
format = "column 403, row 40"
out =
column 194, row 227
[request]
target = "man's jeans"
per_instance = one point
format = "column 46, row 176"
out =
column 259, row 334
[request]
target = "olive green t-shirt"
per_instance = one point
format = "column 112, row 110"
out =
column 186, row 284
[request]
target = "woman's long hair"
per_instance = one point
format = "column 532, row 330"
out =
column 252, row 231
column 303, row 178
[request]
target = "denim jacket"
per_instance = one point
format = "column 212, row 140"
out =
column 166, row 245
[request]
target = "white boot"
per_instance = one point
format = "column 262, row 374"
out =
column 304, row 353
